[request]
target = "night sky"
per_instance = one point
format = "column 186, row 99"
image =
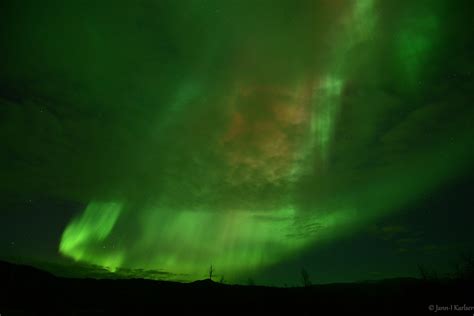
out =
column 155, row 138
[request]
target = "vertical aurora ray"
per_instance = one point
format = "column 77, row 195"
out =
column 357, row 27
column 326, row 106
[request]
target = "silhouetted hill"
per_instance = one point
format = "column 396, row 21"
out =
column 26, row 290
column 205, row 283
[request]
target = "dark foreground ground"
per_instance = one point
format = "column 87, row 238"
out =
column 29, row 291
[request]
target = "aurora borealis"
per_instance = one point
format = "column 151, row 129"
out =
column 238, row 134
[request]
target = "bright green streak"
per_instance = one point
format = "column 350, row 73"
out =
column 185, row 242
column 88, row 231
column 327, row 90
column 325, row 109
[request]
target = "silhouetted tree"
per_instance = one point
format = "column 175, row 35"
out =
column 305, row 278
column 211, row 271
column 426, row 274
column 465, row 267
column 422, row 272
column 222, row 279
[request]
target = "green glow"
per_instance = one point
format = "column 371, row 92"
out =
column 242, row 238
column 89, row 231
column 234, row 241
column 245, row 166
column 415, row 43
column 186, row 242
column 238, row 242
